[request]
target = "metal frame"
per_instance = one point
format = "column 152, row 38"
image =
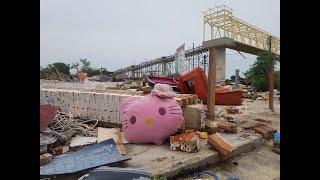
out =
column 223, row 23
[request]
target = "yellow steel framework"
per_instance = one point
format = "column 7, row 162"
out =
column 224, row 24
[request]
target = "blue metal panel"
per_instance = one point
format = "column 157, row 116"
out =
column 95, row 155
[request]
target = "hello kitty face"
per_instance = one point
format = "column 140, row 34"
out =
column 150, row 119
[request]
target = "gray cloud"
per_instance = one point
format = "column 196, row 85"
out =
column 113, row 34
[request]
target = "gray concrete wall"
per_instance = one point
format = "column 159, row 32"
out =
column 85, row 104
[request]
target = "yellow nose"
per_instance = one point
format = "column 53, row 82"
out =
column 149, row 121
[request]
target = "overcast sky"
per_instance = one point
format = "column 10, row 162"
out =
column 114, row 33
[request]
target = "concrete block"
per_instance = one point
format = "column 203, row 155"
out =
column 194, row 116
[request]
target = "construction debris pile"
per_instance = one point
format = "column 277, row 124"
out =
column 84, row 123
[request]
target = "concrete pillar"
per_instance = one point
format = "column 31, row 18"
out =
column 133, row 73
column 221, row 64
column 212, row 81
column 164, row 69
column 236, row 81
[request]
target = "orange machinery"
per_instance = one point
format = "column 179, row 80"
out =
column 196, row 82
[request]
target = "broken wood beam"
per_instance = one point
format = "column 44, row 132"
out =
column 219, row 144
column 226, row 127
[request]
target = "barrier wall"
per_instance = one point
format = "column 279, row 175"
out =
column 104, row 106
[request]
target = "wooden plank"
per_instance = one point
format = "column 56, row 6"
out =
column 219, row 144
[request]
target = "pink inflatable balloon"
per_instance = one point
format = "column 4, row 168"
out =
column 150, row 119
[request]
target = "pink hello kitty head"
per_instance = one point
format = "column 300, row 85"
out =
column 150, row 119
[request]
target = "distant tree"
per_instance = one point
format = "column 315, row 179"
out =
column 257, row 75
column 48, row 73
column 93, row 72
column 85, row 65
column 62, row 68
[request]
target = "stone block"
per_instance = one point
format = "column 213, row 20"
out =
column 194, row 116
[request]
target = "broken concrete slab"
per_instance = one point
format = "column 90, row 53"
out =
column 115, row 134
column 176, row 161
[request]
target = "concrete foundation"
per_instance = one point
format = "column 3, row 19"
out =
column 175, row 162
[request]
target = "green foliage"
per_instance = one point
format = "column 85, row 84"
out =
column 247, row 78
column 50, row 71
column 62, row 68
column 92, row 72
column 257, row 75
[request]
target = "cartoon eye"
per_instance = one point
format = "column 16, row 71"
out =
column 162, row 111
column 133, row 120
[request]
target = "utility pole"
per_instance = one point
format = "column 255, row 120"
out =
column 236, row 83
column 271, row 77
column 204, row 63
column 193, row 56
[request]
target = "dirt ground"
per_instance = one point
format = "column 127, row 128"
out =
column 259, row 164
